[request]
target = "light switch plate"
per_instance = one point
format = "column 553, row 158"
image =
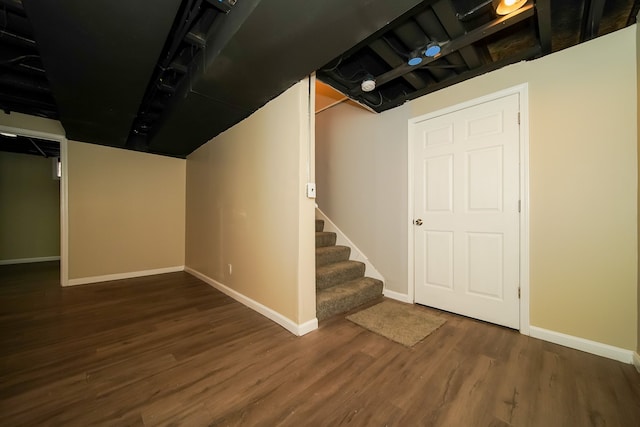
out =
column 311, row 190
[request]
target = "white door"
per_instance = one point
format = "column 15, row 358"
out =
column 466, row 197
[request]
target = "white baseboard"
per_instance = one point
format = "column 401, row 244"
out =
column 28, row 260
column 593, row 347
column 120, row 276
column 396, row 296
column 285, row 322
column 636, row 361
column 307, row 327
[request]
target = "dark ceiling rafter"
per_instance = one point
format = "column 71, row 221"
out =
column 543, row 12
column 473, row 40
column 23, row 84
column 466, row 76
column 185, row 41
column 591, row 22
column 446, row 14
column 382, row 48
column 29, row 145
column 460, row 42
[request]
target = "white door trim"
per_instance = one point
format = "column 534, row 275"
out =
column 64, row 187
column 523, row 91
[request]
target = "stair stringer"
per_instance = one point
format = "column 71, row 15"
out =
column 343, row 240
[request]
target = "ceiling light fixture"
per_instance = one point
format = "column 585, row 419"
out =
column 9, row 134
column 368, row 84
column 414, row 59
column 433, row 49
column 505, row 7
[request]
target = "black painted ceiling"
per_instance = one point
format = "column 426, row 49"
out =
column 473, row 39
column 165, row 76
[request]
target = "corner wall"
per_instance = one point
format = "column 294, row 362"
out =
column 583, row 183
column 30, row 213
column 638, row 183
column 126, row 213
column 361, row 161
column 249, row 226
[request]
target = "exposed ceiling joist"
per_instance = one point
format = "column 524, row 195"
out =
column 447, row 15
column 593, row 13
column 470, row 74
column 543, row 11
column 391, row 57
column 466, row 40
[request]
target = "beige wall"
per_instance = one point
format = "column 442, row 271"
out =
column 246, row 208
column 638, row 149
column 126, row 211
column 583, row 183
column 30, row 207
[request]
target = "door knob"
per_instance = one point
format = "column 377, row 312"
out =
column 418, row 221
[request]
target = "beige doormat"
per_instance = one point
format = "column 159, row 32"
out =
column 406, row 324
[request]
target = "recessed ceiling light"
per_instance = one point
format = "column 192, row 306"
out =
column 505, row 7
column 414, row 60
column 368, row 84
column 9, row 134
column 433, row 49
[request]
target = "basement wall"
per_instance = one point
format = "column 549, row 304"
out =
column 583, row 184
column 637, row 28
column 30, row 208
column 249, row 226
column 362, row 183
column 126, row 213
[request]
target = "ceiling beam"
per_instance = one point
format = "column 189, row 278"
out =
column 473, row 36
column 388, row 55
column 591, row 19
column 543, row 12
column 446, row 14
column 527, row 54
column 412, row 36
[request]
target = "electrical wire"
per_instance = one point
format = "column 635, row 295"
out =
column 371, row 104
column 335, row 66
column 352, row 79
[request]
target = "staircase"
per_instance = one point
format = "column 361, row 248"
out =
column 340, row 283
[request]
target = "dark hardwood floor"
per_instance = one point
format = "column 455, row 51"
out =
column 170, row 350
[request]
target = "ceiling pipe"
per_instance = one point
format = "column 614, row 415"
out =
column 467, row 16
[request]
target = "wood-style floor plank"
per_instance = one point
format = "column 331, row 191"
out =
column 171, row 350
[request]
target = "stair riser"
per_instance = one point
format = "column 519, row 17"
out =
column 327, row 309
column 325, row 239
column 340, row 283
column 336, row 254
column 335, row 277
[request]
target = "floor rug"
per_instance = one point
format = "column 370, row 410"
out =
column 406, row 324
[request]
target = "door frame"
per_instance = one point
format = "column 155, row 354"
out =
column 64, row 191
column 523, row 92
